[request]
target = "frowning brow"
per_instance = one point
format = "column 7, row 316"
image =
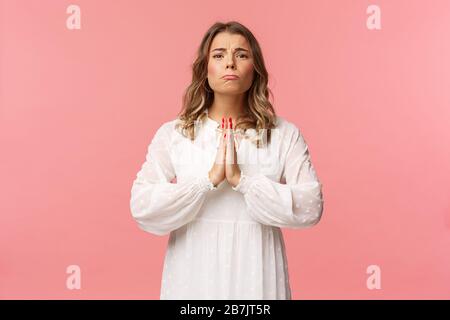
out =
column 223, row 49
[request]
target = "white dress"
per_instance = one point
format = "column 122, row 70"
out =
column 225, row 242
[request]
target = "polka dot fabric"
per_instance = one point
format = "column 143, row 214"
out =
column 225, row 242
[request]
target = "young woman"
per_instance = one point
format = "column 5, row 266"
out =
column 241, row 171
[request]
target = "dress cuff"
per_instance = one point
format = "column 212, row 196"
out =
column 245, row 182
column 204, row 184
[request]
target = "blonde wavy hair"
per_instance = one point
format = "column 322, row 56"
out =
column 259, row 113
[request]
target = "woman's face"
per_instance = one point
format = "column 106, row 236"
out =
column 230, row 54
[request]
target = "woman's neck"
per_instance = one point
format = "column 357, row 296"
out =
column 227, row 106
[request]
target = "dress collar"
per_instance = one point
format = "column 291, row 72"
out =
column 210, row 122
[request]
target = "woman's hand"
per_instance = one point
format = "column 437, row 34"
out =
column 217, row 172
column 232, row 170
column 225, row 165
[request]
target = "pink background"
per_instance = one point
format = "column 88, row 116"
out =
column 79, row 107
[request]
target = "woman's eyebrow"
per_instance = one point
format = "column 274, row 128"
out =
column 223, row 49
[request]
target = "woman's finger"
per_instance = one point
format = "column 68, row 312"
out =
column 230, row 143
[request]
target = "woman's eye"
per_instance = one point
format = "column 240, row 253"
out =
column 239, row 55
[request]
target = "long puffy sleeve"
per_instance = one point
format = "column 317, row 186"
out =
column 296, row 204
column 157, row 205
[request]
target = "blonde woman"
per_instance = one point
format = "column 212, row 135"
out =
column 224, row 177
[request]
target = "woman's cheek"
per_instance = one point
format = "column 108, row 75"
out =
column 248, row 71
column 212, row 70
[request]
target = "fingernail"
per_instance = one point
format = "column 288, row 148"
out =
column 223, row 122
column 231, row 123
column 225, row 135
